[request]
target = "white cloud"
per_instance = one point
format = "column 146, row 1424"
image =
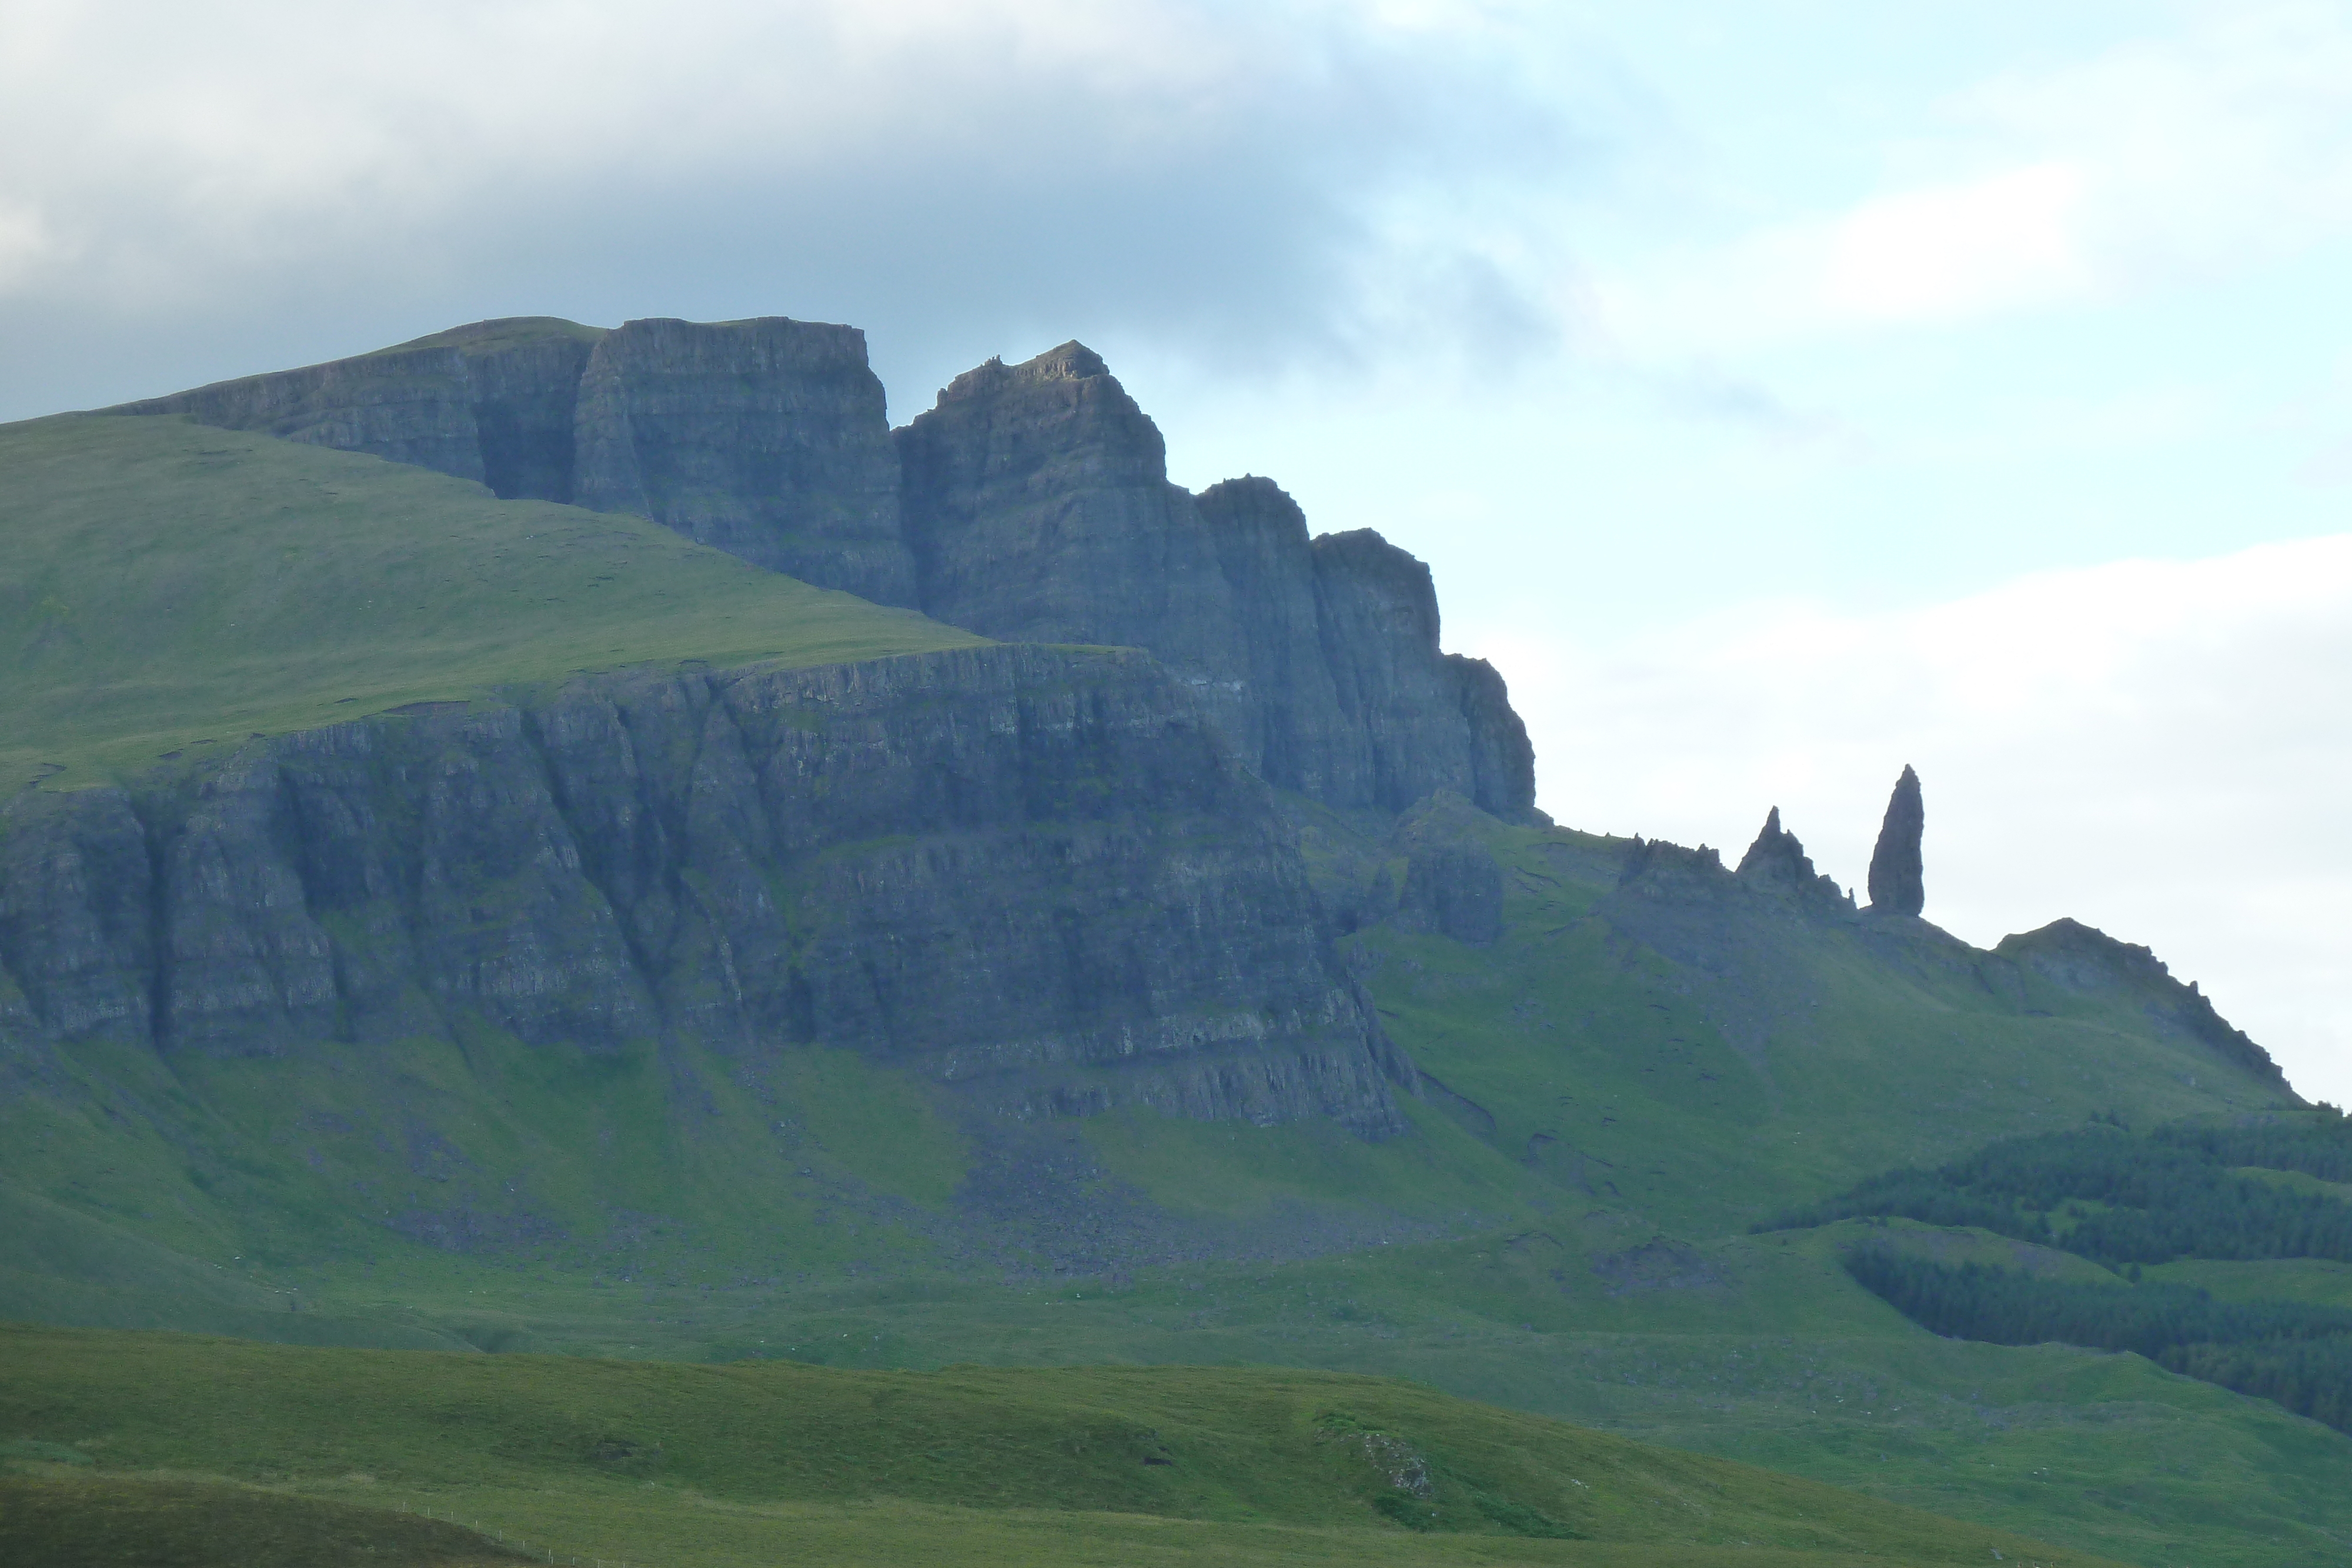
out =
column 2157, row 748
column 2158, row 161
column 1238, row 172
column 1957, row 250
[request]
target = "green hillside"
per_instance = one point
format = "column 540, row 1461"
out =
column 168, row 588
column 629, row 1458
column 1635, row 1075
column 1506, row 1250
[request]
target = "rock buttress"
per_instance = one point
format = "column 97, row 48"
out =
column 1038, row 507
column 767, row 439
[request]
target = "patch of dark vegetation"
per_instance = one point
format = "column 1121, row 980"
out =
column 2291, row 1353
column 2106, row 1194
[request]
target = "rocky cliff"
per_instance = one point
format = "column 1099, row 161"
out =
column 1033, row 875
column 767, row 439
column 1039, row 508
column 1032, row 504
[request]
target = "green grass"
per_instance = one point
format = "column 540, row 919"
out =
column 1603, row 1277
column 543, row 1447
column 167, row 588
column 1565, row 1227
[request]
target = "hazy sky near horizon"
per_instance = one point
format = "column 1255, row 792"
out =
column 1783, row 391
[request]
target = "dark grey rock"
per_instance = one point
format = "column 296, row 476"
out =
column 1039, row 508
column 1776, row 860
column 766, row 438
column 1036, row 874
column 1895, row 883
column 1454, row 890
column 491, row 403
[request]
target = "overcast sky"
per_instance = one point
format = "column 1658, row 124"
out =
column 1783, row 392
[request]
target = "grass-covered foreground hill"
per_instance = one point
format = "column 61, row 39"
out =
column 170, row 587
column 677, row 1467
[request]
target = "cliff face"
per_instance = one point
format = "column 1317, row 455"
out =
column 1032, row 504
column 767, row 439
column 1032, row 874
column 1038, row 506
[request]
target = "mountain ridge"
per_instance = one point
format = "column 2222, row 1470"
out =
column 767, row 438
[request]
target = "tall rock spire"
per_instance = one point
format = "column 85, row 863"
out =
column 1895, row 887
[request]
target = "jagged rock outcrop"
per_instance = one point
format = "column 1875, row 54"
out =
column 1033, row 873
column 1897, row 885
column 1778, row 860
column 1038, row 507
column 1032, row 504
column 2082, row 958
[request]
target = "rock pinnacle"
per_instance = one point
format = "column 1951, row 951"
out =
column 1895, row 887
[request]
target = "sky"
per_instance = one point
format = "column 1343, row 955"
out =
column 1783, row 391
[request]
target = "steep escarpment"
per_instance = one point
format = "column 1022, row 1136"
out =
column 767, row 439
column 1039, row 508
column 1032, row 504
column 1033, row 874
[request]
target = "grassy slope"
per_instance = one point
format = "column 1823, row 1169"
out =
column 1596, row 1267
column 1643, row 1309
column 524, row 1442
column 164, row 587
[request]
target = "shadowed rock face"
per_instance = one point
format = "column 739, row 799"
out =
column 1895, row 883
column 1031, row 505
column 491, row 403
column 1033, row 874
column 767, row 439
column 1778, row 860
column 1038, row 506
column 1454, row 890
